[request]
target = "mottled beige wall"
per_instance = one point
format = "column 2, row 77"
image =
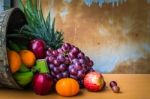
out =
column 116, row 38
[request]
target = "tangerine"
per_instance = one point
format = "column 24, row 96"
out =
column 14, row 61
column 28, row 58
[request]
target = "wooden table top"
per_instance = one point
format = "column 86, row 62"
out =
column 133, row 86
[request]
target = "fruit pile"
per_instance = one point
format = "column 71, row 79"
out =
column 43, row 61
column 20, row 65
column 43, row 68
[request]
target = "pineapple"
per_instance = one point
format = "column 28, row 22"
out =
column 37, row 26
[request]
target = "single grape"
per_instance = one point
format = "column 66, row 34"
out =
column 51, row 66
column 48, row 53
column 61, row 58
column 82, row 61
column 62, row 67
column 59, row 76
column 67, row 45
column 77, row 66
column 90, row 63
column 56, row 70
column 64, row 48
column 84, row 65
column 60, row 51
column 71, row 55
column 74, row 77
column 53, row 74
column 70, row 67
column 75, row 61
column 55, row 53
column 81, row 55
column 50, row 59
column 56, row 62
column 113, row 83
column 73, row 71
column 81, row 74
column 75, row 50
column 65, row 74
column 115, row 89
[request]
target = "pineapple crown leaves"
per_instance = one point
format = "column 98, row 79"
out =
column 37, row 26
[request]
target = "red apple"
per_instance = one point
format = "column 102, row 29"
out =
column 42, row 83
column 38, row 46
column 94, row 81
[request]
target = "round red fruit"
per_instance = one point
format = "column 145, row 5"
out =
column 38, row 46
column 94, row 81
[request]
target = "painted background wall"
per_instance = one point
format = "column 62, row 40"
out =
column 115, row 35
column 1, row 5
column 5, row 4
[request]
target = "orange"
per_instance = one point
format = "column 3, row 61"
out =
column 67, row 87
column 27, row 57
column 14, row 61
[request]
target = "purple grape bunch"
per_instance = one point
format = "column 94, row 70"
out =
column 68, row 61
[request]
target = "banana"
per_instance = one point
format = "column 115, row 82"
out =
column 23, row 78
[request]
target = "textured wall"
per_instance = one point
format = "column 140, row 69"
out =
column 117, row 38
column 1, row 5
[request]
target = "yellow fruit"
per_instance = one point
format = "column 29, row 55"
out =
column 27, row 57
column 14, row 61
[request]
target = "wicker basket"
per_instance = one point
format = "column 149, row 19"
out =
column 9, row 21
